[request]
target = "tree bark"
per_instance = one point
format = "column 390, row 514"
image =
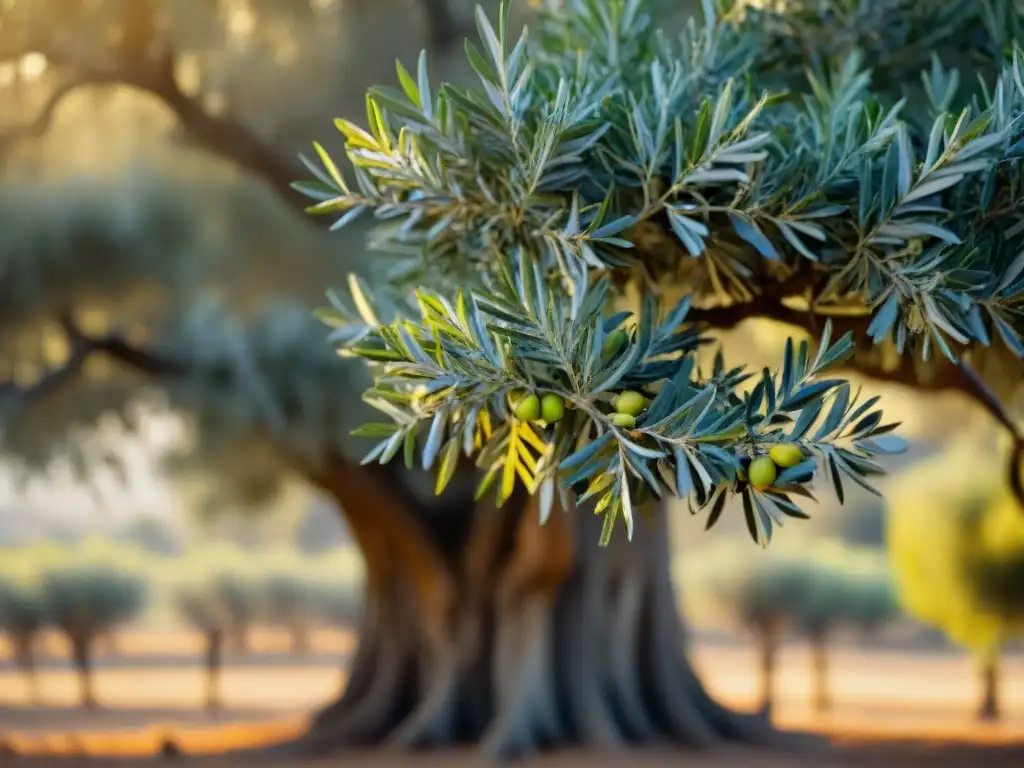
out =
column 520, row 638
column 25, row 658
column 212, row 668
column 822, row 699
column 81, row 658
column 989, row 710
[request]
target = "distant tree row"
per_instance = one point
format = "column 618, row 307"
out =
column 781, row 594
column 88, row 593
column 224, row 606
column 84, row 602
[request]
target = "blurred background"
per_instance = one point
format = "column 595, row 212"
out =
column 163, row 570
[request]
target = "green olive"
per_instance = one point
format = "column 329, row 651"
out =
column 624, row 420
column 613, row 344
column 528, row 408
column 552, row 407
column 630, row 403
column 786, row 454
column 762, row 472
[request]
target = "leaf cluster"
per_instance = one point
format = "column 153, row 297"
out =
column 447, row 380
column 750, row 158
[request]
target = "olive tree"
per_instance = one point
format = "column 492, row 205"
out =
column 956, row 541
column 580, row 222
column 239, row 595
column 817, row 608
column 87, row 603
column 871, row 600
column 999, row 584
column 290, row 601
column 805, row 595
column 338, row 604
column 766, row 598
column 22, row 617
column 202, row 608
column 839, row 592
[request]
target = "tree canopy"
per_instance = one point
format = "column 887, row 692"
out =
column 956, row 540
column 737, row 168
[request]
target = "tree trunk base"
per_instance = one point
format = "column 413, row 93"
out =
column 522, row 638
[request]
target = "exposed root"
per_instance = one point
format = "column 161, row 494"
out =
column 434, row 720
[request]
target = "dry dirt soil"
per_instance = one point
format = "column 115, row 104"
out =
column 891, row 709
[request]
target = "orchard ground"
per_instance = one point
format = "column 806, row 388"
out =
column 892, row 707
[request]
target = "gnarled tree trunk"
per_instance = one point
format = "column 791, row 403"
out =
column 482, row 626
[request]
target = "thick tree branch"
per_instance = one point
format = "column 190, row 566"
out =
column 946, row 378
column 83, row 347
column 38, row 127
column 223, row 136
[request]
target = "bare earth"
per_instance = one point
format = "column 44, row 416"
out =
column 892, row 708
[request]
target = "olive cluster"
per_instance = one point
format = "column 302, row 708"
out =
column 549, row 408
column 763, row 470
column 628, row 405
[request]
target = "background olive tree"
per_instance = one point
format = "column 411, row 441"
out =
column 810, row 595
column 23, row 616
column 956, row 540
column 86, row 603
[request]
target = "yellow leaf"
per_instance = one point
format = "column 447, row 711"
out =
column 527, row 458
column 531, row 437
column 508, row 477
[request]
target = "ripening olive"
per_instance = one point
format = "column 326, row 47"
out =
column 762, row 472
column 528, row 408
column 630, row 403
column 623, row 420
column 786, row 454
column 613, row 343
column 552, row 407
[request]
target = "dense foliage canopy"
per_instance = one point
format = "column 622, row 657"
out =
column 752, row 161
